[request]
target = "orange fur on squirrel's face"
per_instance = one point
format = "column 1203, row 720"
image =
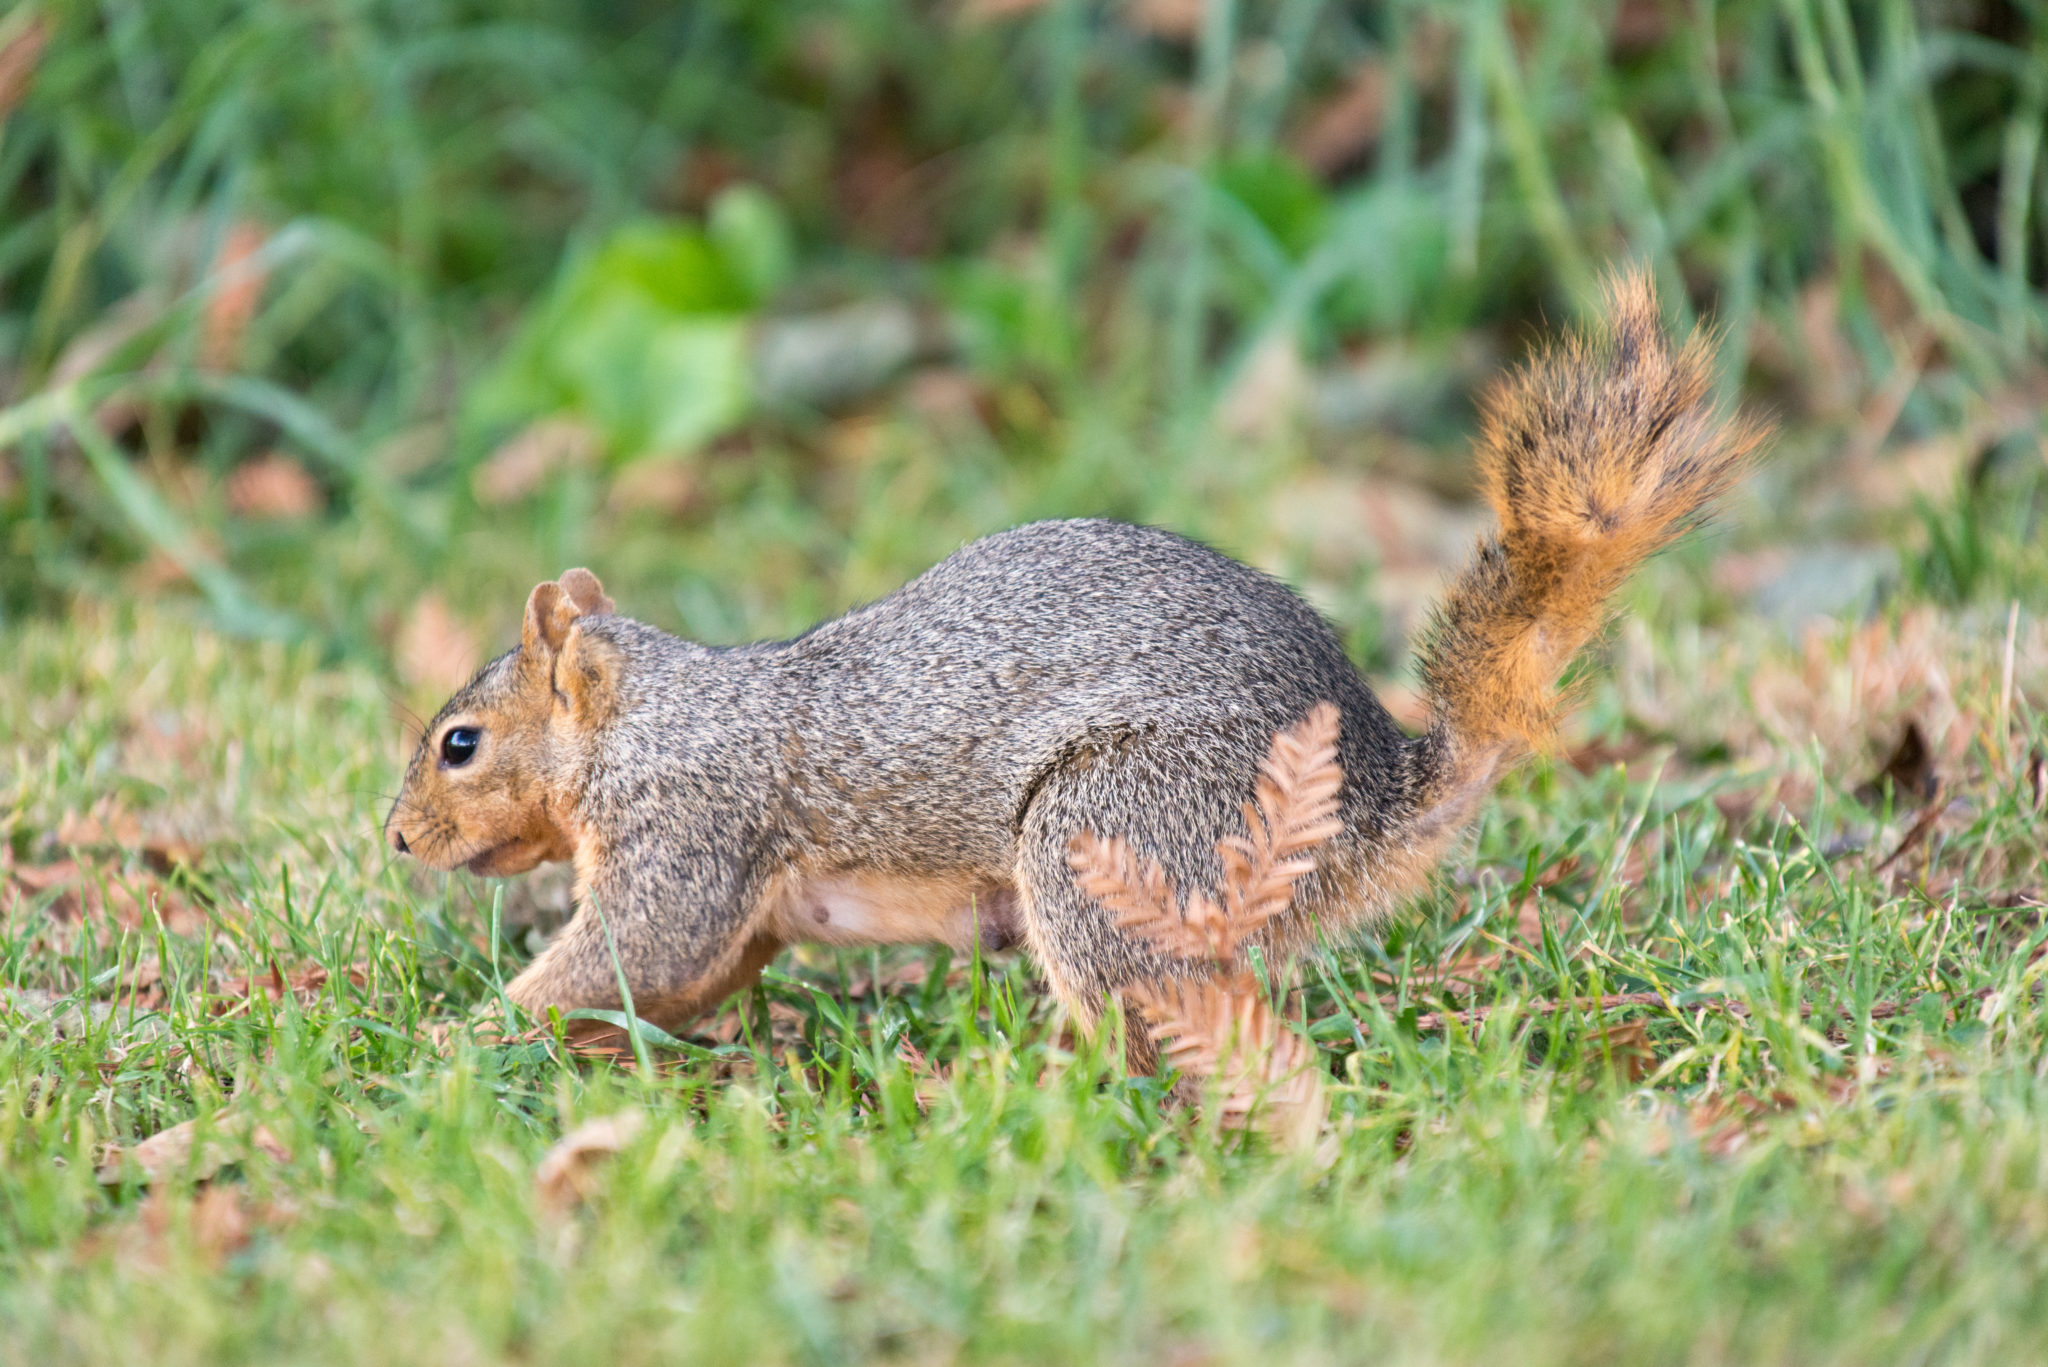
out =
column 488, row 786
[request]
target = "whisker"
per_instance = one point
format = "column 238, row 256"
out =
column 416, row 724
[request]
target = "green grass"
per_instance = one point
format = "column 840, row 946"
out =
column 1853, row 1167
column 1824, row 1140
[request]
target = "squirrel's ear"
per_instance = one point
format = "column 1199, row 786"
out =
column 585, row 592
column 549, row 611
column 587, row 674
column 554, row 607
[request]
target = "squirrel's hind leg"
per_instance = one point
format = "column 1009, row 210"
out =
column 1146, row 793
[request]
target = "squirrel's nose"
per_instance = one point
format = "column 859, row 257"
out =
column 398, row 842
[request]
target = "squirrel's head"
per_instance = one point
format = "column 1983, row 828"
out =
column 497, row 769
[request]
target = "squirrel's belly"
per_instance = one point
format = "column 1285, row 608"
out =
column 868, row 908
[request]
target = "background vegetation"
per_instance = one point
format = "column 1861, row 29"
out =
column 328, row 327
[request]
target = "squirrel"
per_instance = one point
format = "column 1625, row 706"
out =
column 914, row 770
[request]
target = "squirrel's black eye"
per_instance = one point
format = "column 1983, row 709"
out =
column 459, row 745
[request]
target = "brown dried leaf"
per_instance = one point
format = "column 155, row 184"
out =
column 436, row 651
column 523, row 463
column 170, row 1152
column 1723, row 1126
column 567, row 1175
column 234, row 302
column 219, row 1222
column 37, row 878
column 663, row 484
column 131, row 901
column 2037, row 778
column 1345, row 126
column 1297, row 788
column 950, row 397
column 1604, row 754
column 1626, row 1048
column 1178, row 21
column 22, row 40
column 273, row 486
column 1639, row 26
column 305, row 984
column 1720, row 1127
column 161, row 570
column 111, row 826
column 106, row 826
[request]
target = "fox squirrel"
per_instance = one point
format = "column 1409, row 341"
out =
column 914, row 770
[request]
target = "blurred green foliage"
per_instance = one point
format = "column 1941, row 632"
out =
column 380, row 236
column 647, row 335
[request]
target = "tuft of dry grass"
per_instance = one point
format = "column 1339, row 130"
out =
column 1222, row 1026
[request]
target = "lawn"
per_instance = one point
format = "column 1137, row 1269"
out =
column 326, row 330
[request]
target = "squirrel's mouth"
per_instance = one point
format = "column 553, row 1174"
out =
column 487, row 861
column 503, row 860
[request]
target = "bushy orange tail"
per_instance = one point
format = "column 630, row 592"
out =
column 1597, row 454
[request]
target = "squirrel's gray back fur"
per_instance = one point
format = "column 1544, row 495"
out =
column 912, row 732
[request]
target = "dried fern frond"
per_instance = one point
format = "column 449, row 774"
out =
column 1295, row 810
column 1226, row 1030
column 1223, row 1027
column 1141, row 899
